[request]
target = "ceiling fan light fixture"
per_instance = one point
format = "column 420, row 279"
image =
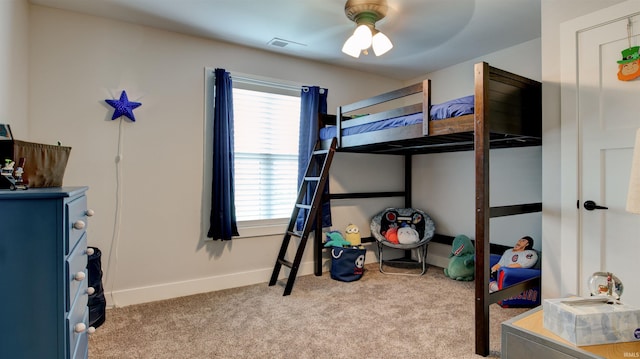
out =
column 365, row 13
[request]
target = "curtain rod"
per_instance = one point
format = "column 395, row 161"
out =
column 256, row 80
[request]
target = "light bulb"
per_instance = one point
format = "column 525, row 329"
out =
column 381, row 44
column 351, row 47
column 363, row 36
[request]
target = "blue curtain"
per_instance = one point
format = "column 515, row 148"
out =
column 313, row 102
column 223, row 210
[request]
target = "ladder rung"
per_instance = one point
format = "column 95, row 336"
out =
column 285, row 263
column 320, row 152
column 294, row 233
column 312, row 178
column 303, row 206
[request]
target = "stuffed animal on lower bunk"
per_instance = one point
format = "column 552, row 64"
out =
column 461, row 259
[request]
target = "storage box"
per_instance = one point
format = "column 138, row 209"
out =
column 44, row 165
column 591, row 323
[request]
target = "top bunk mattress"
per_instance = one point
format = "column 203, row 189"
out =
column 453, row 108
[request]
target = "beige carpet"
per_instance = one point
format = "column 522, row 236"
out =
column 379, row 316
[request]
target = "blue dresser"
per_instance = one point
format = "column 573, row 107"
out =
column 43, row 275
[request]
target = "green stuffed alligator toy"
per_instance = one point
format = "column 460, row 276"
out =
column 461, row 259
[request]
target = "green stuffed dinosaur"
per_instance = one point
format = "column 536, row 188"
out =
column 461, row 259
column 336, row 240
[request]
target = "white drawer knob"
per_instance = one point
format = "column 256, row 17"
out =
column 79, row 276
column 91, row 290
column 89, row 212
column 79, row 328
column 78, row 224
column 91, row 330
column 90, row 251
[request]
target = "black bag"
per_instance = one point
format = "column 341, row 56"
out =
column 347, row 264
column 97, row 303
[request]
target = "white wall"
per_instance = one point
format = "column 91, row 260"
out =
column 458, row 80
column 14, row 47
column 150, row 220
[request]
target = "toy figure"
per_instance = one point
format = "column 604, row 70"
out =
column 8, row 167
column 18, row 174
column 522, row 255
column 462, row 259
column 352, row 234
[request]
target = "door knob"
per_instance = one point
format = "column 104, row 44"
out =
column 591, row 205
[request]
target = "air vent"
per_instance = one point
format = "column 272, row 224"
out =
column 278, row 42
column 281, row 43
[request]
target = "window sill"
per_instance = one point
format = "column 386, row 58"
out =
column 252, row 229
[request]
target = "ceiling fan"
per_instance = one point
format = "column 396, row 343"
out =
column 365, row 13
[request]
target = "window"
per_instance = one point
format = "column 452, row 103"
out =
column 266, row 125
column 266, row 153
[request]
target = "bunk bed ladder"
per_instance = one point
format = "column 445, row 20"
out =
column 313, row 184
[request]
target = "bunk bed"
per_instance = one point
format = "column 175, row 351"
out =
column 505, row 112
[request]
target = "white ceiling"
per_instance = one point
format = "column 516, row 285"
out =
column 427, row 34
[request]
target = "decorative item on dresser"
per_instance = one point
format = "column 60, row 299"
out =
column 43, row 260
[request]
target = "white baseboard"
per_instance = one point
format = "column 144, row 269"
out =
column 122, row 298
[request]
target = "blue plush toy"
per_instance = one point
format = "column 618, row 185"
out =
column 461, row 259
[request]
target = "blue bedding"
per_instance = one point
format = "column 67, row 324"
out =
column 454, row 108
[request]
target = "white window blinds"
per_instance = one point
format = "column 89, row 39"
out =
column 266, row 125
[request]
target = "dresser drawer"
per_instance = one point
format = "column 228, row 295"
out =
column 78, row 331
column 76, row 222
column 76, row 271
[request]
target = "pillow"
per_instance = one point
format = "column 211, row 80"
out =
column 453, row 108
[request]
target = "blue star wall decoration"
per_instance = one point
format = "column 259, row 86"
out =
column 123, row 107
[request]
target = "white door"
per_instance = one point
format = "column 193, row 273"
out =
column 607, row 114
